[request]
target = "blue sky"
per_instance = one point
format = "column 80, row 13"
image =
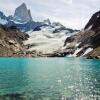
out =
column 71, row 13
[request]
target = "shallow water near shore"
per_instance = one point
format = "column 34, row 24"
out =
column 49, row 79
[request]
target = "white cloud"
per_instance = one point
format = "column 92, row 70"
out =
column 72, row 13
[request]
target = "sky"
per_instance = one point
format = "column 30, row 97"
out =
column 71, row 13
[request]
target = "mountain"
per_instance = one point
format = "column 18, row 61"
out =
column 3, row 18
column 23, row 20
column 47, row 22
column 11, row 41
column 22, row 14
column 87, row 41
column 43, row 37
column 48, row 38
column 94, row 22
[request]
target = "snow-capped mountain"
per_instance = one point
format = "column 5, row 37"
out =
column 48, row 38
column 47, row 22
column 23, row 20
column 45, row 36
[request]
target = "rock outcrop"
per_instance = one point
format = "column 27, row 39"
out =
column 11, row 41
column 94, row 22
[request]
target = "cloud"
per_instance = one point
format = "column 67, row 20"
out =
column 71, row 13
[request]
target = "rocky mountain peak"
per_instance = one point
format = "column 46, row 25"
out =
column 22, row 13
column 47, row 22
column 94, row 22
column 23, row 5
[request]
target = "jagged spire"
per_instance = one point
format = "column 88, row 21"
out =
column 23, row 13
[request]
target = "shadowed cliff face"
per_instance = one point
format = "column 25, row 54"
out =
column 94, row 22
column 87, row 38
column 11, row 41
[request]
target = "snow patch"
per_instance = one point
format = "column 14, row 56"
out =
column 77, row 51
column 3, row 21
column 98, row 16
column 87, row 51
column 77, row 44
column 89, row 27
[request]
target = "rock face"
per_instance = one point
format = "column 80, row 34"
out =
column 94, row 22
column 86, row 42
column 11, row 41
column 22, row 13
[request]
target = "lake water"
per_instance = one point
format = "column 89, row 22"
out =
column 49, row 79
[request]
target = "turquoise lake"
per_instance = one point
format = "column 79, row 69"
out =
column 49, row 79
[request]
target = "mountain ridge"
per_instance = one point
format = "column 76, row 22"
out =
column 87, row 41
column 23, row 20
